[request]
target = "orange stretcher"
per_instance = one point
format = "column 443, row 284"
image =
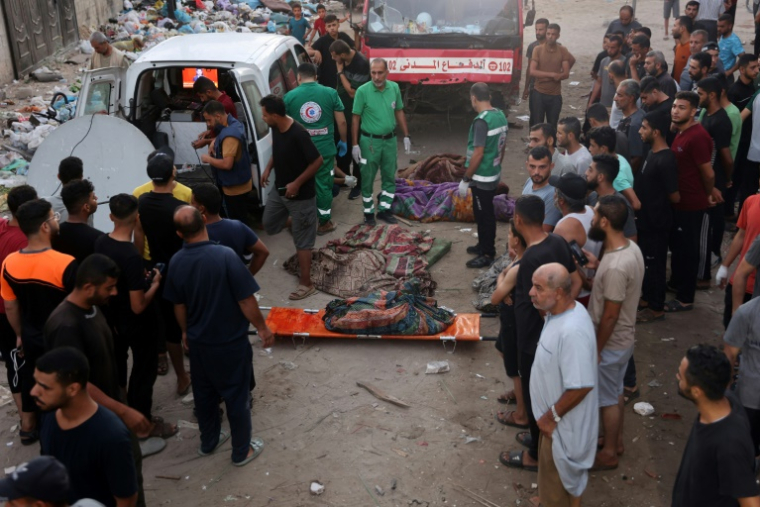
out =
column 304, row 323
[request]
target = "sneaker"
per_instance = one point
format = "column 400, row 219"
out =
column 369, row 219
column 482, row 261
column 387, row 217
column 325, row 228
column 474, row 250
column 355, row 193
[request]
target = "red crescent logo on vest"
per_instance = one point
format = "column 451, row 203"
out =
column 311, row 112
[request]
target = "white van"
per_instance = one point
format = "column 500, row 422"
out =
column 155, row 93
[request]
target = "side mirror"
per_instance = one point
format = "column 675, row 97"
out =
column 531, row 14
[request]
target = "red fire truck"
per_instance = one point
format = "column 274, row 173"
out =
column 436, row 49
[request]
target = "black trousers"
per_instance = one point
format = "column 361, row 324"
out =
column 237, row 207
column 33, row 350
column 753, row 415
column 346, row 162
column 713, row 240
column 654, row 248
column 138, row 335
column 688, row 228
column 544, row 108
column 526, row 365
column 749, row 181
column 7, row 344
column 482, row 207
column 728, row 301
column 629, row 380
column 223, row 371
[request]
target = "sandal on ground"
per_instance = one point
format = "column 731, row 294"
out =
column 646, row 316
column 629, row 395
column 675, row 306
column 507, row 418
column 507, row 398
column 163, row 364
column 29, row 437
column 223, row 437
column 524, row 438
column 163, row 429
column 302, row 292
column 257, row 445
column 514, row 459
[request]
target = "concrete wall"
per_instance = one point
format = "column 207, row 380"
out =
column 93, row 13
column 6, row 58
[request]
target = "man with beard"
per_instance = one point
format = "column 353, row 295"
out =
column 652, row 97
column 625, row 98
column 545, row 135
column 718, row 465
column 656, row 66
column 229, row 160
column 614, row 297
column 696, row 181
column 625, row 21
column 682, row 28
column 656, row 186
column 635, row 66
column 699, row 68
column 539, row 166
column 697, row 44
column 320, row 51
column 540, row 26
column 745, row 172
column 87, row 438
column 34, row 280
column 600, row 175
column 568, row 137
column 76, row 236
column 603, row 87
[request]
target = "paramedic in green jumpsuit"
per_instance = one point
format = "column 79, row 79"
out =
column 378, row 108
column 318, row 108
column 485, row 150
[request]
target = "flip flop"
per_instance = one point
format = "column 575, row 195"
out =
column 223, row 437
column 675, row 306
column 152, row 445
column 515, row 460
column 524, row 438
column 509, row 420
column 629, row 396
column 507, row 398
column 257, row 445
column 302, row 292
column 646, row 316
column 163, row 364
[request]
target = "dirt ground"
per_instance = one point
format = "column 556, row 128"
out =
column 318, row 425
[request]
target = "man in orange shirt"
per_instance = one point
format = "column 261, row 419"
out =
column 682, row 28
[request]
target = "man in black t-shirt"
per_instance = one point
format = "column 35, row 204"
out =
column 353, row 71
column 87, row 438
column 131, row 314
column 320, row 51
column 740, row 93
column 295, row 160
column 543, row 248
column 717, row 123
column 156, row 224
column 656, row 186
column 76, row 237
column 718, row 463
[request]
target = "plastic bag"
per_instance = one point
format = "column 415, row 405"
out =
column 86, row 48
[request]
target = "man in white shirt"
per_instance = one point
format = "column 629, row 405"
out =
column 568, row 137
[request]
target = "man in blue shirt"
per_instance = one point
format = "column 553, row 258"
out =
column 214, row 300
column 227, row 232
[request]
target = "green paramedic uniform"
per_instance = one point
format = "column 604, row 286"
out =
column 313, row 106
column 489, row 171
column 377, row 140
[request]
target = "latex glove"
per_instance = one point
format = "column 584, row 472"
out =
column 721, row 275
column 463, row 186
column 350, row 181
column 342, row 148
column 356, row 153
column 407, row 145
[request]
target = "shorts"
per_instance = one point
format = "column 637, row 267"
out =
column 303, row 212
column 611, row 375
column 670, row 6
column 506, row 342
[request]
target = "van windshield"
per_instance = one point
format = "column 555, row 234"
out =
column 422, row 17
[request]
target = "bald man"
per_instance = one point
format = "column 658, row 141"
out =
column 562, row 389
column 214, row 300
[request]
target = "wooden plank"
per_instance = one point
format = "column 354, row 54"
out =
column 382, row 395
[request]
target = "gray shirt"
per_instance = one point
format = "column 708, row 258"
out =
column 561, row 165
column 566, row 358
column 580, row 160
column 744, row 332
column 617, row 26
column 551, row 213
column 753, row 258
column 608, row 88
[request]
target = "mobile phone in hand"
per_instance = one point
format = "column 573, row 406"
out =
column 578, row 253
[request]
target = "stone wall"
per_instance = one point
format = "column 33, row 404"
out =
column 6, row 58
column 93, row 13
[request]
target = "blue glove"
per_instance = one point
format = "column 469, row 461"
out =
column 342, row 148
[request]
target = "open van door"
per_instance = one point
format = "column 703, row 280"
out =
column 251, row 87
column 102, row 92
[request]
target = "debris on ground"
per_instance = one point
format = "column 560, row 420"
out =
column 643, row 408
column 316, row 488
column 380, row 394
column 437, row 367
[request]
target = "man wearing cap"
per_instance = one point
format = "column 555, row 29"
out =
column 318, row 108
column 485, row 150
column 378, row 108
column 570, row 191
column 42, row 482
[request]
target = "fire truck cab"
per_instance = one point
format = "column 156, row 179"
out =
column 436, row 49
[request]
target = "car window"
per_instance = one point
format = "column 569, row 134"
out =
column 98, row 98
column 253, row 94
column 276, row 81
column 303, row 56
column 290, row 68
